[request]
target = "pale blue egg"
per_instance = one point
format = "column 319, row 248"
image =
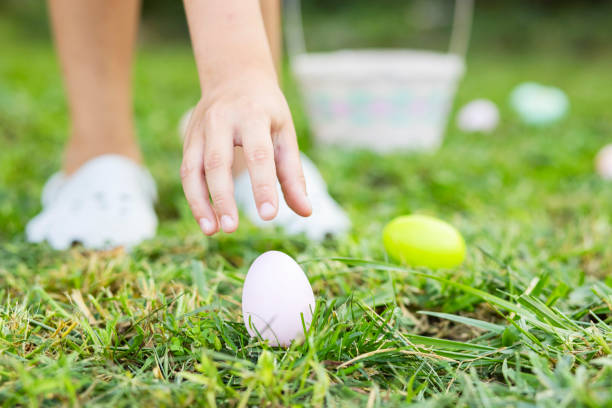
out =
column 538, row 104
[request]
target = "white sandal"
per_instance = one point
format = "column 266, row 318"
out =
column 327, row 219
column 107, row 203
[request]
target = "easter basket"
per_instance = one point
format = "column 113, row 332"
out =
column 381, row 100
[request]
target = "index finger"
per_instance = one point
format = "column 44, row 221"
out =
column 194, row 182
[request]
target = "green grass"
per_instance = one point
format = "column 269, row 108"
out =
column 525, row 321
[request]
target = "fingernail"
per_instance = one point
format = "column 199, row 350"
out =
column 308, row 202
column 206, row 225
column 227, row 223
column 267, row 211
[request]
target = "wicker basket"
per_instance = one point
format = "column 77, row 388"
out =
column 379, row 99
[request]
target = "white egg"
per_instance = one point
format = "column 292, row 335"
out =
column 603, row 162
column 275, row 297
column 480, row 115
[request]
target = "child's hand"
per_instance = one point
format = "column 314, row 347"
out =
column 241, row 108
column 241, row 105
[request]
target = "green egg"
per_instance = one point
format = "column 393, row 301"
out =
column 420, row 240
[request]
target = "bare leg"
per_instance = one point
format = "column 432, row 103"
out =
column 271, row 13
column 95, row 41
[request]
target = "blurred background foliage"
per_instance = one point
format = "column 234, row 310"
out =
column 580, row 27
column 561, row 43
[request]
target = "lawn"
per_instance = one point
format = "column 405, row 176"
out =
column 525, row 321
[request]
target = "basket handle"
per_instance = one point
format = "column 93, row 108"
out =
column 459, row 39
column 462, row 27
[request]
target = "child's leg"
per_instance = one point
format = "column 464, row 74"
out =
column 103, row 197
column 95, row 41
column 271, row 12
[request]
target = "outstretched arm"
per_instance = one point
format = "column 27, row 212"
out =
column 241, row 105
